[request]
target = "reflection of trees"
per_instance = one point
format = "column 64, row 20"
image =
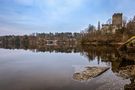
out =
column 104, row 53
column 123, row 64
column 69, row 48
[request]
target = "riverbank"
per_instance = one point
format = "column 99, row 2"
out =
column 103, row 43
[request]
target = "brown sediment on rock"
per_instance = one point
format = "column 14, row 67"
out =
column 89, row 72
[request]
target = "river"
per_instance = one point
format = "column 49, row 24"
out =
column 53, row 69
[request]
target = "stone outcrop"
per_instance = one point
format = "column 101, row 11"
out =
column 89, row 72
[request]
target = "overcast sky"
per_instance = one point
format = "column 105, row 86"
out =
column 29, row 16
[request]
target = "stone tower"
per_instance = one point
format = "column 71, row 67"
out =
column 98, row 25
column 117, row 20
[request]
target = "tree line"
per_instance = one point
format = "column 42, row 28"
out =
column 38, row 39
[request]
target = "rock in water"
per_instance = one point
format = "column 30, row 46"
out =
column 89, row 72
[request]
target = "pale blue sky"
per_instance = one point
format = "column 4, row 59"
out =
column 29, row 16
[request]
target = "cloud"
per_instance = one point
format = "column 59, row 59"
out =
column 51, row 11
column 58, row 15
column 57, row 9
column 25, row 2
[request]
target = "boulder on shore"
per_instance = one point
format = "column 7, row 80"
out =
column 89, row 72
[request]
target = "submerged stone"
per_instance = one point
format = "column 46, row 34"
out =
column 89, row 72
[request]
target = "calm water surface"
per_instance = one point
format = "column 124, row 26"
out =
column 30, row 70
